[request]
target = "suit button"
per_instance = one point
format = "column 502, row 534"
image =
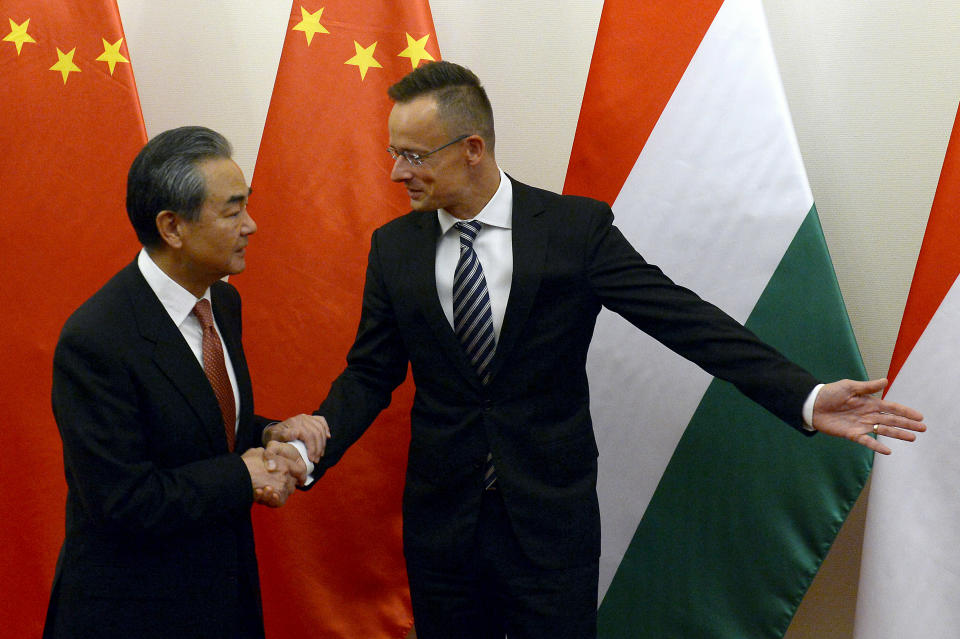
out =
column 487, row 405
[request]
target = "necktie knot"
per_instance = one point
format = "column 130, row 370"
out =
column 468, row 233
column 204, row 313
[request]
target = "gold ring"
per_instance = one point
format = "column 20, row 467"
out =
column 876, row 429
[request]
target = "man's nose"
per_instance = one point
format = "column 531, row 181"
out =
column 249, row 226
column 401, row 170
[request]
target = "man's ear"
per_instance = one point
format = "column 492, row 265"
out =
column 170, row 226
column 476, row 147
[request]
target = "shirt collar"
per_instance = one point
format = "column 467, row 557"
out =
column 177, row 301
column 497, row 212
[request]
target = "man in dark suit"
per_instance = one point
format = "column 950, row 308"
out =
column 160, row 443
column 501, row 519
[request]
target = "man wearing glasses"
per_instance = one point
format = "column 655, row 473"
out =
column 489, row 289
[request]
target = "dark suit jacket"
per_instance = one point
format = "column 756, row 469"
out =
column 158, row 534
column 534, row 414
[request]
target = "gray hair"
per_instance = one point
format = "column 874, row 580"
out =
column 165, row 177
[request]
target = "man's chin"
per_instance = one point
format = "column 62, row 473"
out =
column 237, row 265
column 420, row 203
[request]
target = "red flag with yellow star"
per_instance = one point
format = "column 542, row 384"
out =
column 331, row 560
column 70, row 125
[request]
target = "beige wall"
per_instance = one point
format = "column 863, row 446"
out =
column 872, row 84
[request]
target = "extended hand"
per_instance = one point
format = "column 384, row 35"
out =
column 850, row 410
column 312, row 430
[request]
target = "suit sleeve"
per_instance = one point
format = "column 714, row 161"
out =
column 376, row 364
column 690, row 326
column 113, row 448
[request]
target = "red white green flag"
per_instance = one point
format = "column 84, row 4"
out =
column 70, row 126
column 331, row 561
column 716, row 516
column 910, row 554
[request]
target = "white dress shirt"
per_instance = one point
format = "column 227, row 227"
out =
column 494, row 248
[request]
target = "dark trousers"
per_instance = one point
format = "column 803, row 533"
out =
column 499, row 592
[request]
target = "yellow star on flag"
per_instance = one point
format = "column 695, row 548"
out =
column 18, row 34
column 416, row 50
column 65, row 63
column 310, row 23
column 111, row 54
column 364, row 59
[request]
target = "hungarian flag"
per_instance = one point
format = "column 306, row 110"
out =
column 331, row 560
column 70, row 126
column 910, row 570
column 716, row 515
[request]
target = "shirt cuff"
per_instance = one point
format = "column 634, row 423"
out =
column 302, row 449
column 807, row 409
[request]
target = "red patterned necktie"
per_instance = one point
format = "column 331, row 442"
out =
column 216, row 370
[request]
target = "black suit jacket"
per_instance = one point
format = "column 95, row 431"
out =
column 534, row 414
column 158, row 535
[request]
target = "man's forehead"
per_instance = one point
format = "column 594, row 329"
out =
column 224, row 181
column 415, row 123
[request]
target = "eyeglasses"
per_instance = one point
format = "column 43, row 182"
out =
column 416, row 159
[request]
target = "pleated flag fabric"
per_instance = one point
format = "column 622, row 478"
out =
column 70, row 125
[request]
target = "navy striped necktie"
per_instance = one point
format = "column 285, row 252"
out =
column 472, row 318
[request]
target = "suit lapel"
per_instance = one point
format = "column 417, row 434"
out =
column 173, row 356
column 529, row 237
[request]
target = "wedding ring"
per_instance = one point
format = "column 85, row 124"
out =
column 876, row 429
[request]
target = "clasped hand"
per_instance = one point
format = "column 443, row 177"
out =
column 275, row 472
column 277, row 469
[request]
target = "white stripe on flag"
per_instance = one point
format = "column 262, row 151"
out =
column 910, row 571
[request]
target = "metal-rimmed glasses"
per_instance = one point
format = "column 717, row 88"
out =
column 416, row 159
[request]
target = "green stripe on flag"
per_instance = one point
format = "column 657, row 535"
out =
column 775, row 500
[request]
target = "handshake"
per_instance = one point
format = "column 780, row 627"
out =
column 277, row 468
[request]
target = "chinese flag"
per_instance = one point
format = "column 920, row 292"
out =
column 331, row 561
column 70, row 125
